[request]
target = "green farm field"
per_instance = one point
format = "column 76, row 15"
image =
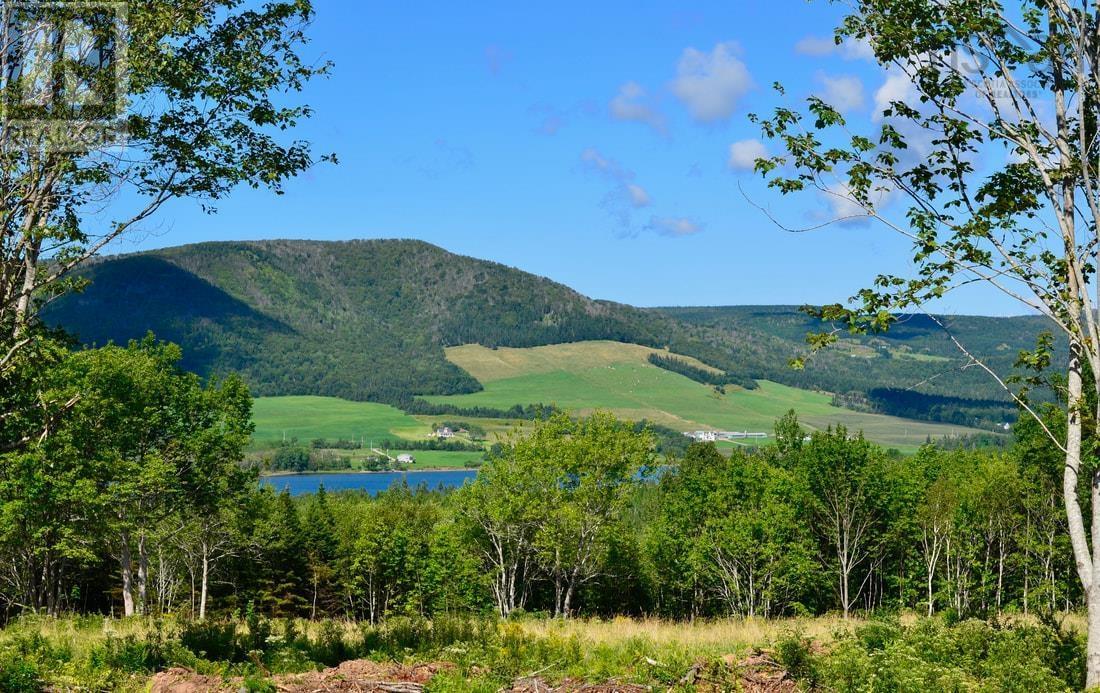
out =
column 307, row 418
column 443, row 459
column 425, row 459
column 579, row 377
column 585, row 376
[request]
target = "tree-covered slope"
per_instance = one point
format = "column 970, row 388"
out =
column 916, row 355
column 364, row 320
column 369, row 320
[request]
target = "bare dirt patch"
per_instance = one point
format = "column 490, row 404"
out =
column 757, row 673
column 362, row 676
column 537, row 685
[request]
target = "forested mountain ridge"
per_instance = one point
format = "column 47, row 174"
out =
column 369, row 320
column 354, row 319
column 884, row 371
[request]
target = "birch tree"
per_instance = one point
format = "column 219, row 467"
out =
column 160, row 442
column 592, row 464
column 988, row 161
column 935, row 517
column 503, row 509
column 844, row 478
column 754, row 540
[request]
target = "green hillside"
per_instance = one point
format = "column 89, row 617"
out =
column 361, row 320
column 915, row 350
column 370, row 321
column 586, row 376
column 917, row 355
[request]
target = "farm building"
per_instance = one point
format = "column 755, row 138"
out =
column 735, row 435
column 703, row 436
column 444, row 433
column 405, row 458
column 714, row 436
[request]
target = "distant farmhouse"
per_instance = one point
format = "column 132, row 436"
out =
column 405, row 458
column 444, row 433
column 703, row 436
column 715, row 436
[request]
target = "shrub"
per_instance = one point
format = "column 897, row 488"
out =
column 795, row 653
column 259, row 631
column 212, row 640
column 133, row 655
column 937, row 655
column 330, row 647
column 877, row 635
column 406, row 633
column 19, row 675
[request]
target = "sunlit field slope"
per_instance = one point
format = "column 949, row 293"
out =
column 584, row 376
column 307, row 418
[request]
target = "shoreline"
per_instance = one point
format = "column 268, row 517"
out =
column 264, row 475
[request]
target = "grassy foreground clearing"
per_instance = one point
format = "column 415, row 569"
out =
column 470, row 654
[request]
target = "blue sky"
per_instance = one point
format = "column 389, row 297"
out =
column 587, row 142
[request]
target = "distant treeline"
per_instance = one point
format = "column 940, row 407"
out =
column 532, row 412
column 669, row 441
column 977, row 413
column 974, row 441
column 701, row 375
column 297, row 458
column 340, row 444
column 397, row 444
column 431, row 444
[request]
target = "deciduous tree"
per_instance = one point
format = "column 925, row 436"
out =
column 986, row 160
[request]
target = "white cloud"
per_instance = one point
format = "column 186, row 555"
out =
column 710, row 84
column 843, row 92
column 821, row 46
column 816, row 46
column 595, row 161
column 842, row 207
column 896, row 87
column 674, row 226
column 743, row 154
column 638, row 195
column 625, row 196
column 844, row 210
column 631, row 104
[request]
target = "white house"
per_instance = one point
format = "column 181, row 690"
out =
column 444, row 433
column 405, row 458
column 703, row 436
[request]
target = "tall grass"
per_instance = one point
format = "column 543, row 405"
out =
column 899, row 653
column 717, row 636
